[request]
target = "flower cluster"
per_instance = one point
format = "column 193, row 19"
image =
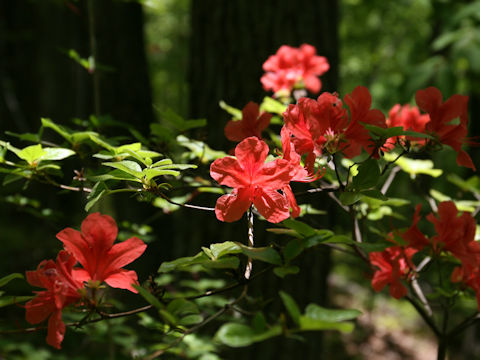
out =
column 439, row 122
column 455, row 235
column 65, row 284
column 323, row 125
column 293, row 68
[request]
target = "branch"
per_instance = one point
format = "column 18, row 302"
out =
column 428, row 320
column 388, row 182
column 248, row 268
column 200, row 325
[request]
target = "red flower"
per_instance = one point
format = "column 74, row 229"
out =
column 254, row 181
column 394, row 264
column 442, row 117
column 323, row 125
column 290, row 66
column 455, row 233
column 59, row 278
column 413, row 235
column 252, row 123
column 102, row 261
column 469, row 275
column 409, row 118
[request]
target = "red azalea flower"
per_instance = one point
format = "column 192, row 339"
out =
column 323, row 125
column 59, row 278
column 252, row 123
column 455, row 233
column 102, row 260
column 254, row 181
column 359, row 102
column 442, row 117
column 394, row 264
column 409, row 118
column 413, row 235
column 469, row 275
column 291, row 66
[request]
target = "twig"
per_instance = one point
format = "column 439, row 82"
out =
column 393, row 162
column 200, row 325
column 165, row 197
column 248, row 268
column 421, row 296
column 388, row 182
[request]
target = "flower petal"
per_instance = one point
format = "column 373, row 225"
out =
column 75, row 244
column 251, row 154
column 124, row 253
column 271, row 205
column 123, row 279
column 56, row 330
column 274, row 174
column 39, row 308
column 231, row 207
column 227, row 171
column 100, row 231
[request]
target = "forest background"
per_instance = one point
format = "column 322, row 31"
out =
column 155, row 58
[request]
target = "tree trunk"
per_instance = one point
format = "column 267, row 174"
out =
column 230, row 41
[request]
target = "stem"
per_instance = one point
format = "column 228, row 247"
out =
column 220, row 312
column 248, row 268
column 336, row 172
column 388, row 182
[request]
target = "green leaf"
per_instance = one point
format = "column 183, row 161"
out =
column 308, row 324
column 31, row 153
column 128, row 166
column 349, row 197
column 317, row 312
column 199, row 149
column 56, row 153
column 147, row 295
column 98, row 191
column 299, row 227
column 239, row 335
column 152, row 173
column 272, row 106
column 236, row 113
column 113, row 175
column 413, row 166
column 317, row 239
column 182, row 307
column 293, row 248
column 368, row 175
column 6, row 279
column 227, row 262
column 13, row 300
column 291, row 306
column 375, row 194
column 283, row 271
column 266, row 254
column 227, row 247
column 190, row 320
